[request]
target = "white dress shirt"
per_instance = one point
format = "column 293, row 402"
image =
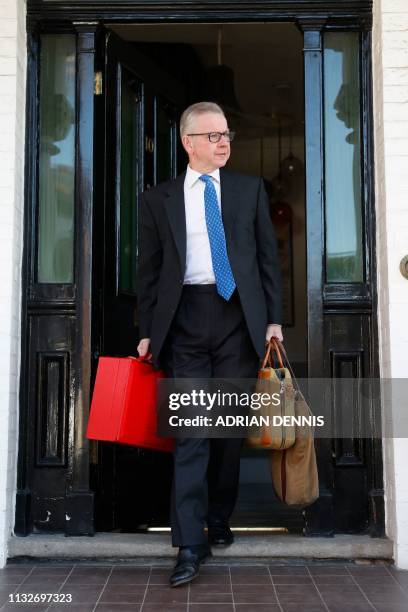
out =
column 199, row 268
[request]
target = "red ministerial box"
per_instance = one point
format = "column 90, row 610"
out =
column 124, row 400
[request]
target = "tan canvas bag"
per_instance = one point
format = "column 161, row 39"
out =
column 274, row 381
column 294, row 470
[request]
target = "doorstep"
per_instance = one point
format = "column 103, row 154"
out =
column 126, row 546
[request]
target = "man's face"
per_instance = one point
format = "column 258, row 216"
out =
column 205, row 156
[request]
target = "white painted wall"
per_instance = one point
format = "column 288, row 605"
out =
column 390, row 68
column 12, row 115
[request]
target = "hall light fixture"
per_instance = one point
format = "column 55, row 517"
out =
column 291, row 167
column 279, row 183
column 220, row 81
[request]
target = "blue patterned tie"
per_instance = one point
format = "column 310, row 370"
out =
column 221, row 265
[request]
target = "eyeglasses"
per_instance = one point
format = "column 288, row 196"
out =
column 216, row 136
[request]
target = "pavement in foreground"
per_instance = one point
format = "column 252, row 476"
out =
column 240, row 587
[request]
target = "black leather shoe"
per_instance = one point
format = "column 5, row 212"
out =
column 219, row 534
column 188, row 563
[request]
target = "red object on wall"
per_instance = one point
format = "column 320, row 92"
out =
column 124, row 404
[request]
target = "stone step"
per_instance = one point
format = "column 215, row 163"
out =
column 122, row 546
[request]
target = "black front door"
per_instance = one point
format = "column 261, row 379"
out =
column 79, row 292
column 137, row 114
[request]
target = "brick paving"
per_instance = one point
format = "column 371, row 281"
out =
column 255, row 587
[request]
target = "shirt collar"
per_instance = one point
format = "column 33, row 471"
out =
column 192, row 176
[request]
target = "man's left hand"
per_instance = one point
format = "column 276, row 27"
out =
column 274, row 331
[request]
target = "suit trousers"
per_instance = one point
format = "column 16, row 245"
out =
column 208, row 338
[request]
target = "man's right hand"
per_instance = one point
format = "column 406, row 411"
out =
column 143, row 347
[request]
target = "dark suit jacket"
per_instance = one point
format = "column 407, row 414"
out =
column 251, row 246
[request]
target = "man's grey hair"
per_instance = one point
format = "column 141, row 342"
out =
column 193, row 111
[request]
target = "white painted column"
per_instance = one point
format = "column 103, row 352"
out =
column 390, row 68
column 12, row 115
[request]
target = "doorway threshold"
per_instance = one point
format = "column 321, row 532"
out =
column 131, row 546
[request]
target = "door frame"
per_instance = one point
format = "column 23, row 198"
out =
column 313, row 18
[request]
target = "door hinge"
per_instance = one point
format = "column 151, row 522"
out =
column 98, row 83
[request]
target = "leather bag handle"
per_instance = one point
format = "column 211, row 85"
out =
column 273, row 348
column 280, row 347
column 276, row 346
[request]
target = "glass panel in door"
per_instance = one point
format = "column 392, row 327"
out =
column 55, row 262
column 129, row 182
column 165, row 141
column 344, row 240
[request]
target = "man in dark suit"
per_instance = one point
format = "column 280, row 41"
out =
column 209, row 300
